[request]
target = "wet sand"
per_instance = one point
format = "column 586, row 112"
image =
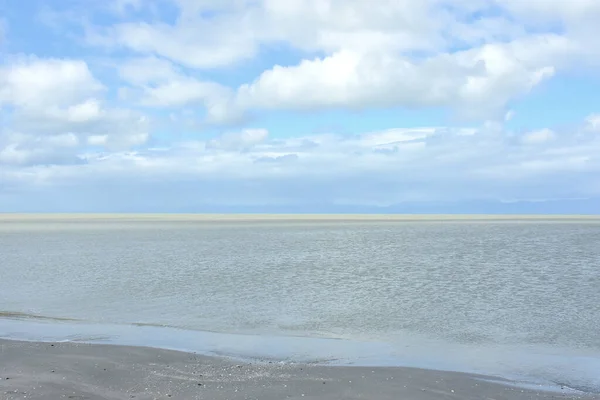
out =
column 30, row 370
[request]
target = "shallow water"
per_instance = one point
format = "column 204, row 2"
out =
column 512, row 297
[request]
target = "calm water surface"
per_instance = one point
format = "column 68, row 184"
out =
column 486, row 289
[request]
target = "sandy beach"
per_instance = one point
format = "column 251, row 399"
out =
column 30, row 370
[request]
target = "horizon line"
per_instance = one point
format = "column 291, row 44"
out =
column 257, row 216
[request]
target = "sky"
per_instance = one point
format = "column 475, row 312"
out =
column 300, row 105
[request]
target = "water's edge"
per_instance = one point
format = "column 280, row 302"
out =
column 282, row 349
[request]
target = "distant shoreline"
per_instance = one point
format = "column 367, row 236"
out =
column 164, row 217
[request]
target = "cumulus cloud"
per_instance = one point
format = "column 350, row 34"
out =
column 33, row 83
column 220, row 45
column 140, row 75
column 55, row 104
column 158, row 83
column 28, row 150
column 357, row 56
column 482, row 80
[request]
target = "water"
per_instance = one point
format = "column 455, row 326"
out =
column 517, row 298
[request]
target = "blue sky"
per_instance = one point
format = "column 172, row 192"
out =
column 309, row 105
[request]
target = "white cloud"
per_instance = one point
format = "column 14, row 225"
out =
column 593, row 122
column 401, row 53
column 148, row 71
column 118, row 142
column 51, row 98
column 220, row 45
column 88, row 120
column 157, row 83
column 123, row 127
column 577, row 19
column 182, row 91
column 245, row 139
column 323, row 25
column 396, row 136
column 248, row 167
column 25, row 150
column 569, row 12
column 88, row 110
column 479, row 81
column 34, row 83
column 538, row 137
column 335, row 25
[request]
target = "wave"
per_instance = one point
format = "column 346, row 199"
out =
column 22, row 315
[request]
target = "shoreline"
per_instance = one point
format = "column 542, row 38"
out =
column 534, row 369
column 242, row 217
column 45, row 370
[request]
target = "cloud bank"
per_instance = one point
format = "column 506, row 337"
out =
column 159, row 105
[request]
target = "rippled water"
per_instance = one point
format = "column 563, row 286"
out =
column 526, row 285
